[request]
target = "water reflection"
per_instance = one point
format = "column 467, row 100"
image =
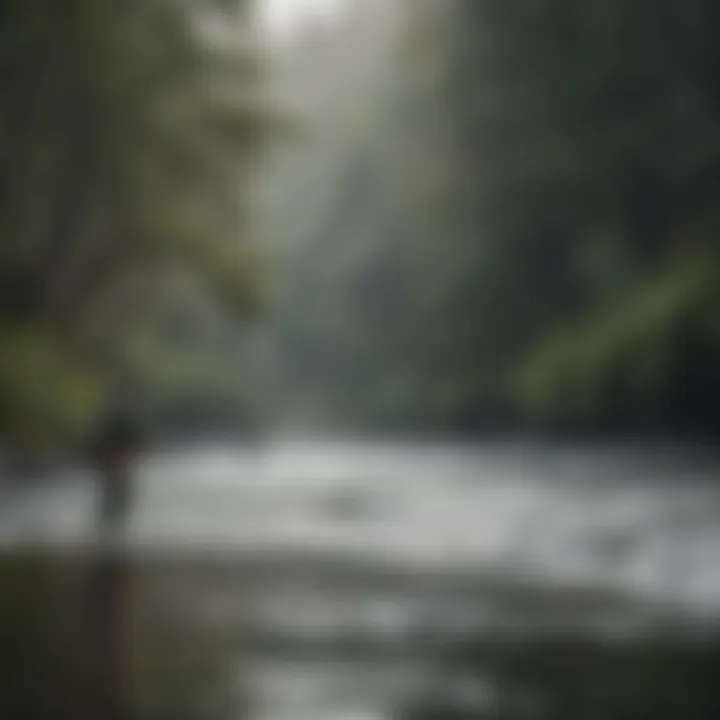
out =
column 168, row 638
column 110, row 598
column 105, row 637
column 255, row 632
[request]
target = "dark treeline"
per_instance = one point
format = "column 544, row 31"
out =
column 528, row 239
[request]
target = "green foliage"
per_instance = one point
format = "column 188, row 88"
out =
column 127, row 144
column 528, row 237
column 47, row 394
column 634, row 336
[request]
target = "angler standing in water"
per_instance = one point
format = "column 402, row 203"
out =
column 116, row 451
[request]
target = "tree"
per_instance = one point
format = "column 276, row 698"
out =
column 128, row 143
column 538, row 248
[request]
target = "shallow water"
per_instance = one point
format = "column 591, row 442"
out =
column 354, row 569
column 643, row 520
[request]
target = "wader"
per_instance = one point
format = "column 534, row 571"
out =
column 116, row 495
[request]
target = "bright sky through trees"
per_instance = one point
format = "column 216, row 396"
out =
column 283, row 17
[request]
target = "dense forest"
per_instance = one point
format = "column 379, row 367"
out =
column 525, row 236
column 497, row 217
column 128, row 135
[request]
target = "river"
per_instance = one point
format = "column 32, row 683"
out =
column 351, row 562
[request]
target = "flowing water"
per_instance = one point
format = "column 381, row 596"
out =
column 354, row 566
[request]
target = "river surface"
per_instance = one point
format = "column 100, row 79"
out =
column 350, row 555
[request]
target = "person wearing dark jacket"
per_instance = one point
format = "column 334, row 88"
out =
column 115, row 451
